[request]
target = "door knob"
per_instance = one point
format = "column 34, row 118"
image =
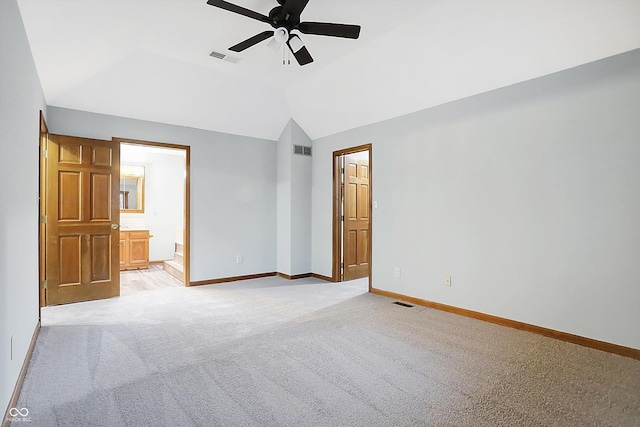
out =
column 114, row 226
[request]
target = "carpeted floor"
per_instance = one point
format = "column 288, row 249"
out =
column 310, row 353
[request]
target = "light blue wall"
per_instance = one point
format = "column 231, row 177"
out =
column 284, row 200
column 294, row 203
column 21, row 99
column 233, row 189
column 300, row 204
column 528, row 196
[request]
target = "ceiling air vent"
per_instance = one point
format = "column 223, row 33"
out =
column 302, row 150
column 225, row 57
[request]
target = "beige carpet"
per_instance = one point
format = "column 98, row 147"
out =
column 309, row 353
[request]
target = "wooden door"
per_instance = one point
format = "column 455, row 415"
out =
column 82, row 219
column 356, row 212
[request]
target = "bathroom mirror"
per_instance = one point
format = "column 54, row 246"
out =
column 132, row 189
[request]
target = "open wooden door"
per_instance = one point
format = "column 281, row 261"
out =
column 356, row 216
column 83, row 216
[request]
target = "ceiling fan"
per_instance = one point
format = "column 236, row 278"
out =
column 284, row 19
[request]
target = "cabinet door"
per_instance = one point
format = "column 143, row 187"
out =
column 124, row 249
column 138, row 249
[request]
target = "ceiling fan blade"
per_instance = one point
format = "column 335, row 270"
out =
column 334, row 30
column 302, row 55
column 251, row 41
column 293, row 7
column 238, row 9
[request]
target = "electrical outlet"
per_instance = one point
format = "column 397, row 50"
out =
column 239, row 259
column 396, row 272
column 447, row 281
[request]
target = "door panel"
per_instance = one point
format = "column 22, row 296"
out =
column 356, row 216
column 101, row 259
column 363, row 248
column 351, row 249
column 69, row 200
column 70, row 265
column 100, row 197
column 83, row 257
column 362, row 203
column 101, row 156
column 70, row 153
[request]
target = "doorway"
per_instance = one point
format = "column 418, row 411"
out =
column 79, row 227
column 352, row 192
column 154, row 215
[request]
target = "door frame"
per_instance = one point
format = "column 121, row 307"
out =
column 186, row 234
column 337, row 247
column 42, row 211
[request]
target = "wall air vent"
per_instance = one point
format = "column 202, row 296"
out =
column 225, row 57
column 302, row 150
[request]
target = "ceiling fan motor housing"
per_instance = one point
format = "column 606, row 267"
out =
column 289, row 22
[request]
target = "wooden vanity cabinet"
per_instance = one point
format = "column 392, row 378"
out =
column 134, row 249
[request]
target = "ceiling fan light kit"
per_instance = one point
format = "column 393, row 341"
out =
column 285, row 18
column 295, row 43
column 274, row 45
column 281, row 35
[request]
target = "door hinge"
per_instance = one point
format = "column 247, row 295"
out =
column 43, row 219
column 45, row 154
column 342, row 171
column 342, row 265
column 341, row 217
column 44, row 284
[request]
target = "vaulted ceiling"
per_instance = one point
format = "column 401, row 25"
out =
column 149, row 59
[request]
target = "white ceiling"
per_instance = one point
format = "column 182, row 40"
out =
column 149, row 59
